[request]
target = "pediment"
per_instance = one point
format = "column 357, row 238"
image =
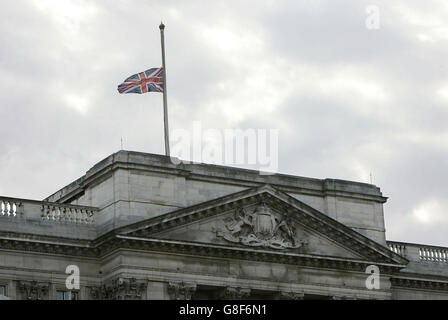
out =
column 265, row 219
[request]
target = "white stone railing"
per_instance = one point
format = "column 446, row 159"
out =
column 10, row 207
column 419, row 252
column 398, row 248
column 49, row 211
column 434, row 254
column 68, row 213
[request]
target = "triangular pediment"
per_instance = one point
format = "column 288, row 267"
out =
column 263, row 219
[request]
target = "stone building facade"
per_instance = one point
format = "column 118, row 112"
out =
column 137, row 226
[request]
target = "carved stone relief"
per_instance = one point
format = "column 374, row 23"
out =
column 120, row 289
column 234, row 293
column 33, row 290
column 260, row 228
column 285, row 295
column 181, row 290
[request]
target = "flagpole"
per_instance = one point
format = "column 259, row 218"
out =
column 165, row 104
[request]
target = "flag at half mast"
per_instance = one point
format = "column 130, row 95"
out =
column 150, row 80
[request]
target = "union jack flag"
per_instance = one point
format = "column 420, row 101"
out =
column 147, row 81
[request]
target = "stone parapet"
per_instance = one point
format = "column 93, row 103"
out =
column 423, row 259
column 36, row 217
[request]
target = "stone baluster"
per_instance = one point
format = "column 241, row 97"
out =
column 63, row 216
column 53, row 213
column 90, row 219
column 19, row 209
column 58, row 213
column 11, row 209
column 421, row 253
column 5, row 209
column 45, row 211
column 90, row 215
column 84, row 216
column 70, row 217
column 8, row 208
column 49, row 212
column 78, row 215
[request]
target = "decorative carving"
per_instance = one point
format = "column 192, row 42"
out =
column 94, row 292
column 33, row 290
column 343, row 298
column 260, row 228
column 421, row 284
column 181, row 290
column 120, row 289
column 285, row 295
column 68, row 213
column 234, row 293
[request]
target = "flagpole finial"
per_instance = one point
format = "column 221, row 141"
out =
column 162, row 26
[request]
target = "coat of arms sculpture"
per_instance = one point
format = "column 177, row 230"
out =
column 260, row 228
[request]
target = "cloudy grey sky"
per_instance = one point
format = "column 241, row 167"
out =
column 347, row 101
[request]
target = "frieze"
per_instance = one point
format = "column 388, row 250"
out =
column 120, row 289
column 234, row 293
column 289, row 295
column 181, row 290
column 419, row 284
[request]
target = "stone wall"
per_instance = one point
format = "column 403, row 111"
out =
column 131, row 186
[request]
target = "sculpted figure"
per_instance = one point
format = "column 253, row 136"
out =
column 241, row 218
column 260, row 228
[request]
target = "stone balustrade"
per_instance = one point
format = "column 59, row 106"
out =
column 68, row 213
column 397, row 247
column 48, row 211
column 419, row 252
column 435, row 254
column 10, row 207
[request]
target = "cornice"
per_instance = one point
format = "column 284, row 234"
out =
column 416, row 283
column 239, row 253
column 204, row 172
column 121, row 242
